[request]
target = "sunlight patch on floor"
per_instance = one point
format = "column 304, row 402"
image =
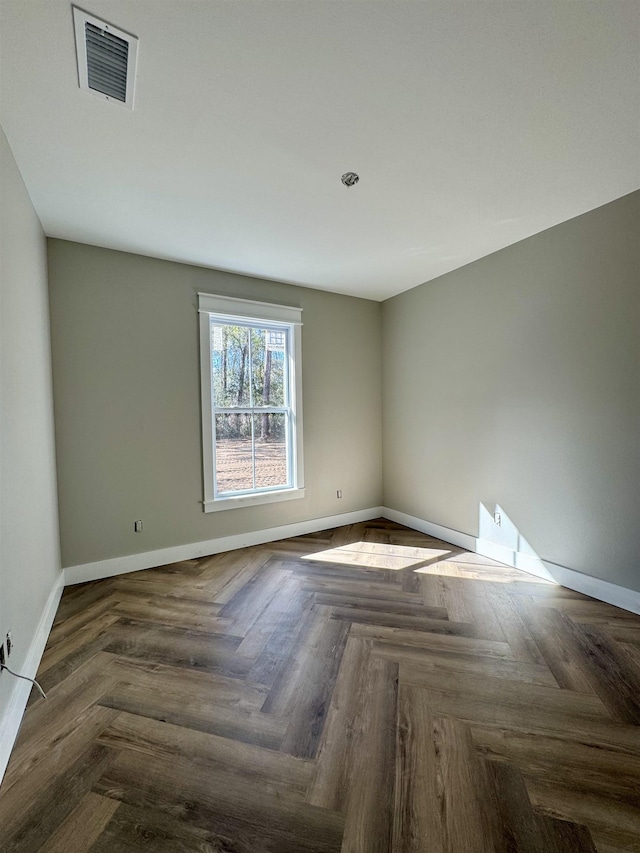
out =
column 378, row 555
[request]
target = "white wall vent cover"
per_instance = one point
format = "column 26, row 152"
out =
column 106, row 58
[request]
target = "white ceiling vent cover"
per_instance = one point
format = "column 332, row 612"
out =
column 106, row 58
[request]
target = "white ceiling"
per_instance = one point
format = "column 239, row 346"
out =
column 472, row 125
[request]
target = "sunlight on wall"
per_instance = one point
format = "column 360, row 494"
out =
column 505, row 543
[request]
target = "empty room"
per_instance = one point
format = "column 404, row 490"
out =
column 320, row 426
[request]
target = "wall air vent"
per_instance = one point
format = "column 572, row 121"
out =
column 106, row 58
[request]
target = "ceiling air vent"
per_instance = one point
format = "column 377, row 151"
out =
column 106, row 58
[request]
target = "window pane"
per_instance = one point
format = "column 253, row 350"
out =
column 234, row 464
column 230, row 364
column 270, row 432
column 268, row 350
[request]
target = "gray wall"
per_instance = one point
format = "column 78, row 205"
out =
column 516, row 380
column 127, row 402
column 29, row 550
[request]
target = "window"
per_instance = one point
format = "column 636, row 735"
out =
column 250, row 361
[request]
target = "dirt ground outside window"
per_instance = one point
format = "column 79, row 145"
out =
column 234, row 467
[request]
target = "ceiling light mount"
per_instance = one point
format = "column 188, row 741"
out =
column 350, row 179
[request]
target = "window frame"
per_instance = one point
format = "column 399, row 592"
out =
column 231, row 310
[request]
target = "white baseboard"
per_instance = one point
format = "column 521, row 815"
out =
column 611, row 593
column 164, row 556
column 455, row 537
column 11, row 717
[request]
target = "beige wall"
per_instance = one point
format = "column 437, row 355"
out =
column 516, row 380
column 126, row 380
column 29, row 550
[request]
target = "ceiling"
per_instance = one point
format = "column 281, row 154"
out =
column 472, row 125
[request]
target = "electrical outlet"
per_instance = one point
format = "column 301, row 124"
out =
column 9, row 642
column 137, row 526
column 497, row 518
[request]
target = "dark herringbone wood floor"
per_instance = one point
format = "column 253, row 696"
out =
column 365, row 690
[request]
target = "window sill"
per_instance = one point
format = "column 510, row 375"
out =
column 252, row 500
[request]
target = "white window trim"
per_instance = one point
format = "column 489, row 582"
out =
column 230, row 309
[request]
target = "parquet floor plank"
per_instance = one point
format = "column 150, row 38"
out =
column 605, row 814
column 370, row 792
column 516, row 633
column 452, row 661
column 417, row 823
column 227, row 806
column 208, row 752
column 464, row 779
column 42, row 808
column 365, row 689
column 197, row 615
column 276, row 611
column 335, row 753
column 184, row 647
column 83, row 826
column 319, row 670
column 81, row 598
column 557, row 646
